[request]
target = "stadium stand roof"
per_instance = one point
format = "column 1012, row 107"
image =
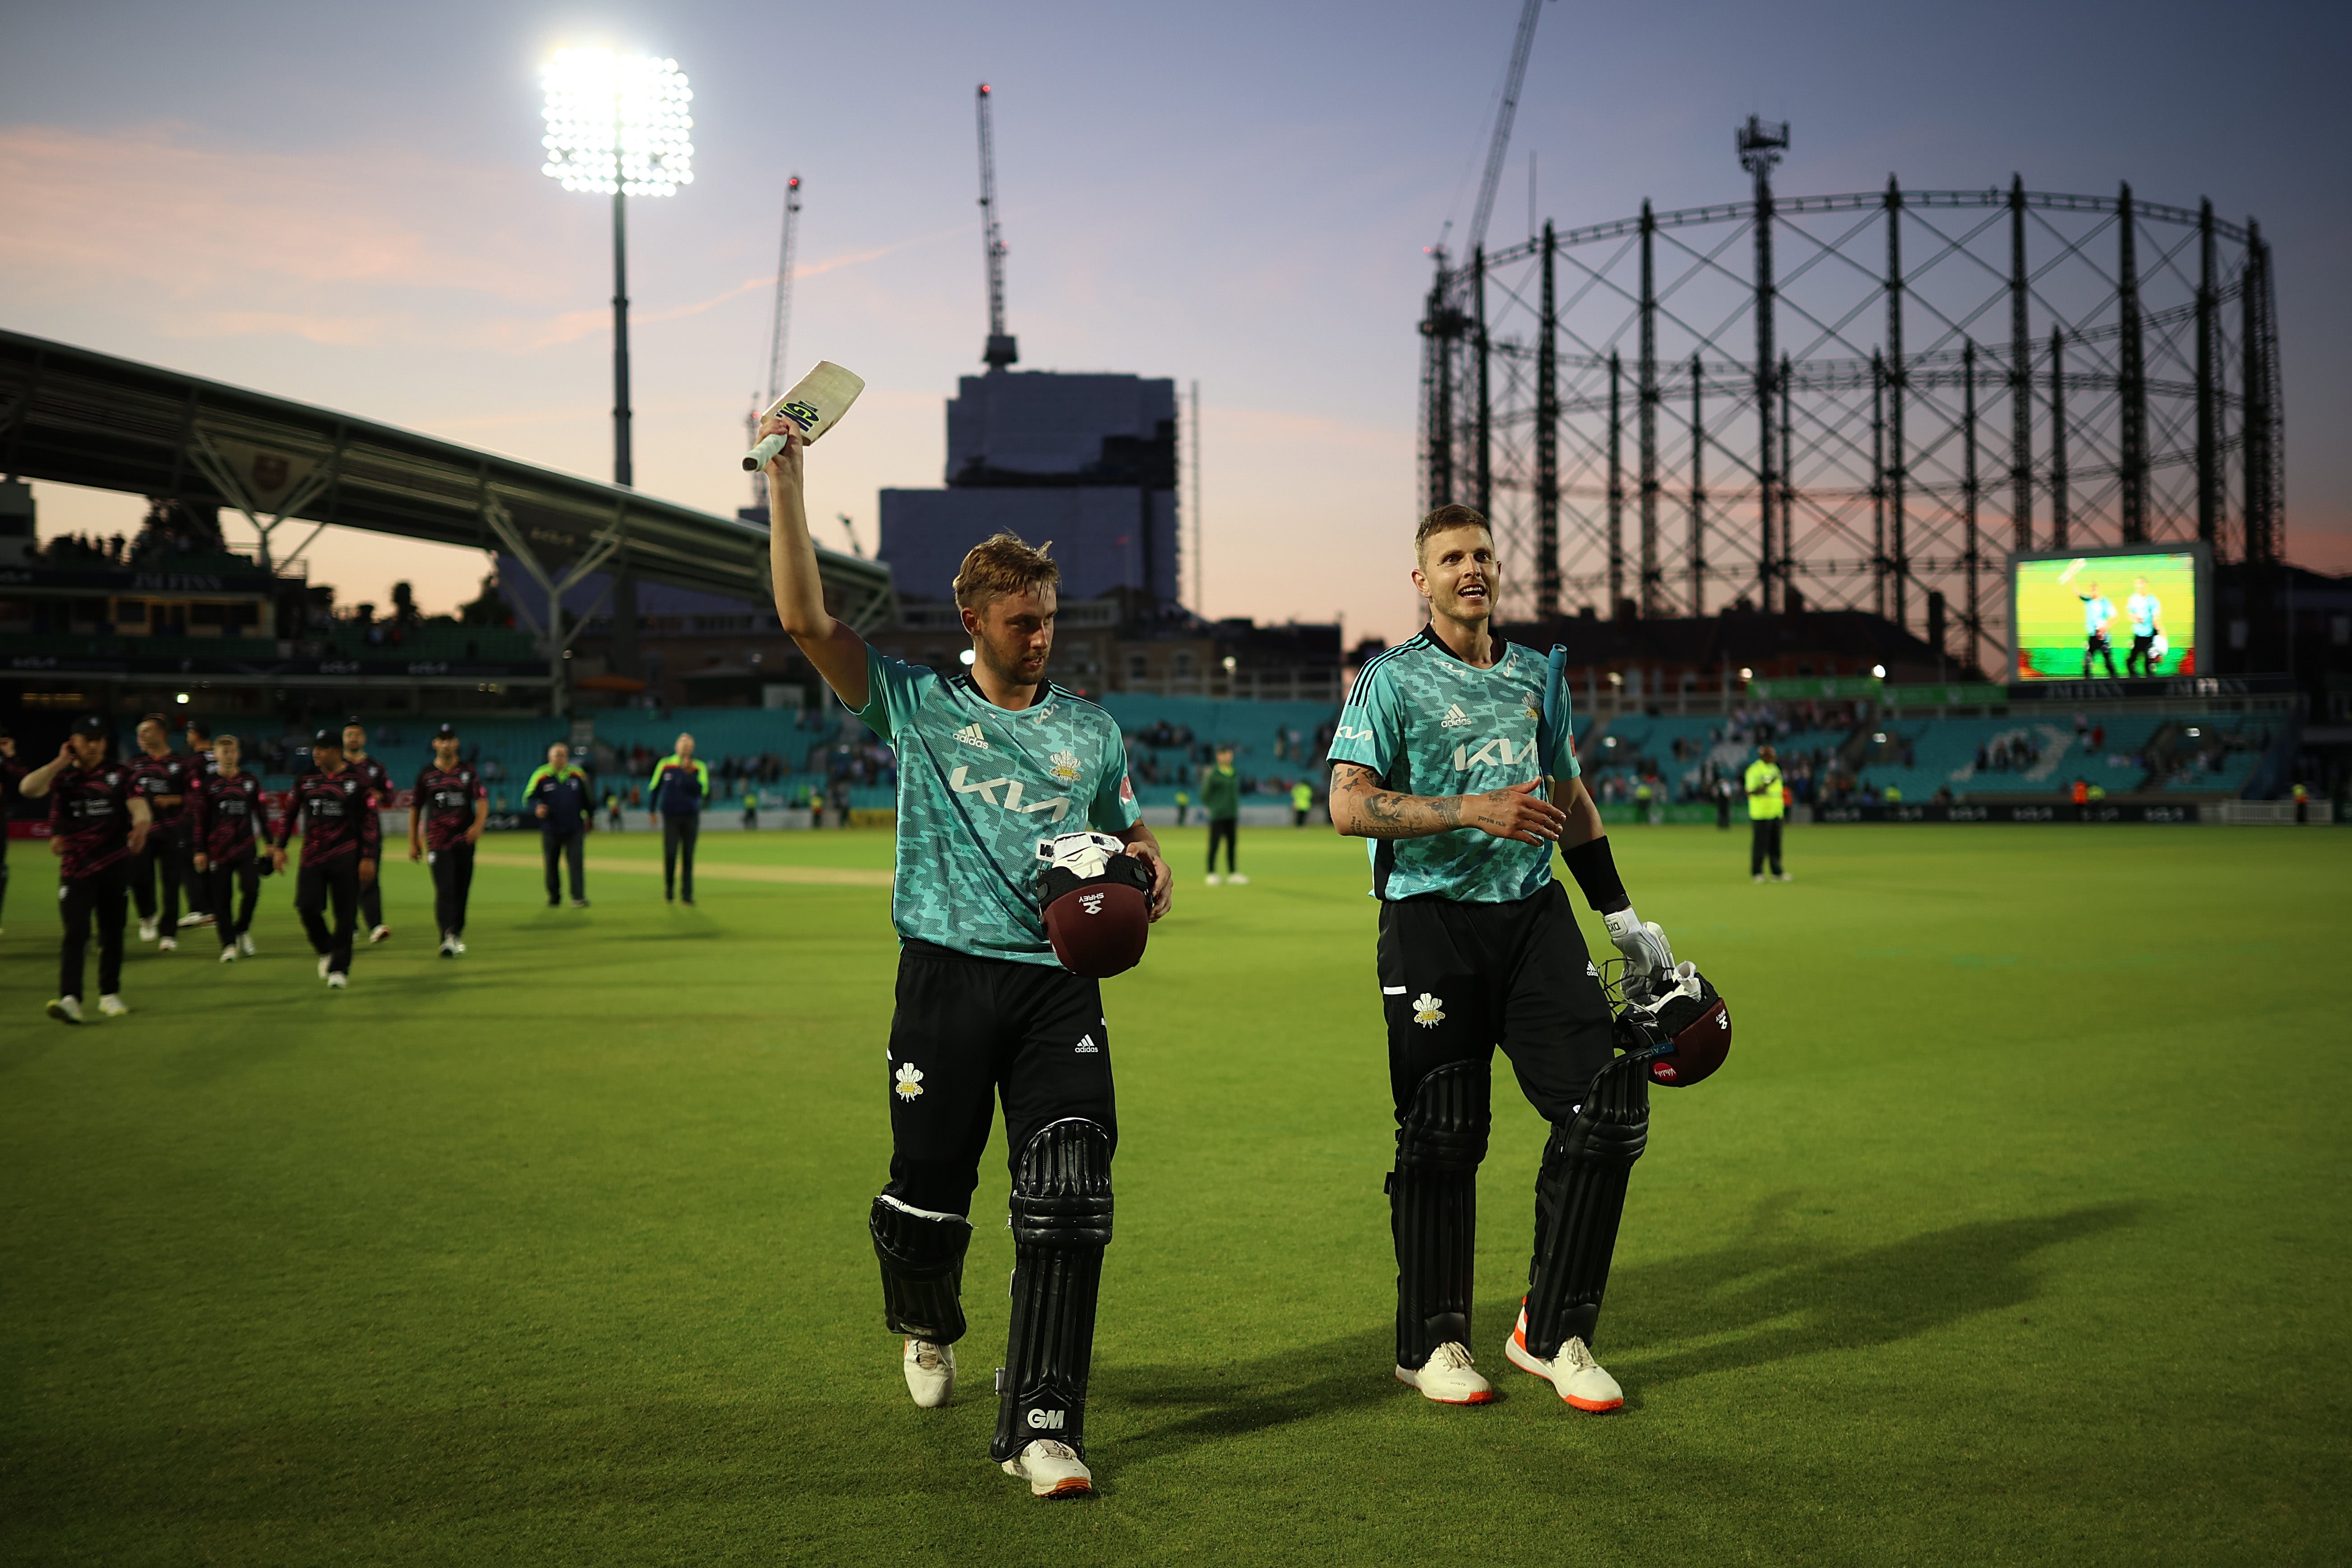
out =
column 75, row 417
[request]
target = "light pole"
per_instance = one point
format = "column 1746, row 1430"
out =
column 617, row 125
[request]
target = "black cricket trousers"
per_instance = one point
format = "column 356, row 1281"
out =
column 453, row 881
column 1764, row 844
column 222, row 881
column 559, row 845
column 103, row 895
column 1223, row 830
column 678, row 845
column 317, row 886
column 160, row 859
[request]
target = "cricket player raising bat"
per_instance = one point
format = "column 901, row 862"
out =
column 1435, row 761
column 992, row 763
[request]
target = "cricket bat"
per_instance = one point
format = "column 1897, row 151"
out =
column 2064, row 577
column 817, row 404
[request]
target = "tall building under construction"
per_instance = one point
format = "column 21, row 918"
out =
column 1087, row 461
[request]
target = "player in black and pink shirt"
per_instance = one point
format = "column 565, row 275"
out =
column 333, row 809
column 96, row 824
column 379, row 783
column 443, row 828
column 200, row 767
column 161, row 776
column 11, row 775
column 224, row 815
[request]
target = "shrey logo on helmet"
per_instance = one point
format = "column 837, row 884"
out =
column 1682, row 1030
column 1097, row 900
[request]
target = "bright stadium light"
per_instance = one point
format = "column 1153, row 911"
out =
column 618, row 126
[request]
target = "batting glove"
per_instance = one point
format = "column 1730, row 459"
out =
column 1649, row 961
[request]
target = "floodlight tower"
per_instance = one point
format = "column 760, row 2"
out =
column 617, row 126
column 1760, row 146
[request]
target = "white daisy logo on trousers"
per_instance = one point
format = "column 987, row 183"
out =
column 910, row 1081
column 1428, row 1011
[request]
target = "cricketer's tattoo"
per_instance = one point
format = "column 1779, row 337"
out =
column 1390, row 813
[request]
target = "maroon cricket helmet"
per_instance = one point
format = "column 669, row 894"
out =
column 1684, row 1030
column 1097, row 903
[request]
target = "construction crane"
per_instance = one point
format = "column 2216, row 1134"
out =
column 1000, row 350
column 1496, row 151
column 780, row 330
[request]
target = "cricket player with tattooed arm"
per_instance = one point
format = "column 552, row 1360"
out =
column 1455, row 756
column 997, row 766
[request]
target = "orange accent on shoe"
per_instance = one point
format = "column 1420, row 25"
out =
column 1486, row 1398
column 1595, row 1405
column 1075, row 1487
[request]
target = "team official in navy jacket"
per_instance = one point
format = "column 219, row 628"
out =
column 563, row 799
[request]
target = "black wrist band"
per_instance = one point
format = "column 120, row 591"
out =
column 1595, row 870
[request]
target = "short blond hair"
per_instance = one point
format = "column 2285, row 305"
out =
column 1003, row 564
column 1445, row 519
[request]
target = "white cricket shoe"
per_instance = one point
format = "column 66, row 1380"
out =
column 448, row 946
column 1573, row 1373
column 167, row 944
column 1239, row 879
column 228, row 954
column 458, row 947
column 245, row 945
column 1214, row 879
column 1758, row 877
column 1782, row 877
column 380, row 933
column 111, row 1005
column 930, row 1372
column 1449, row 1377
column 1052, row 1470
column 337, row 979
column 195, row 920
column 147, row 928
column 323, row 962
column 66, row 1010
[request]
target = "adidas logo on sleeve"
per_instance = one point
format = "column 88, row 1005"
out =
column 970, row 735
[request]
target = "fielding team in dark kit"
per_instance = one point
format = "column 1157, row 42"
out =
column 1442, row 758
column 225, row 826
column 333, row 807
column 1001, row 776
column 380, row 796
column 96, row 823
column 452, row 809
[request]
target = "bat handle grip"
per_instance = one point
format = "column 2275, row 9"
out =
column 759, row 455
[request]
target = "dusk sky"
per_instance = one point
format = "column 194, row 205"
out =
column 343, row 204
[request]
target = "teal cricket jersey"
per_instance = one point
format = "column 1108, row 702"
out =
column 980, row 788
column 1429, row 724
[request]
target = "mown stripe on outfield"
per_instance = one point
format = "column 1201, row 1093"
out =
column 825, row 875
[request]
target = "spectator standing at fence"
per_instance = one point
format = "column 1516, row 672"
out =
column 1221, row 802
column 1766, row 806
column 1302, row 801
column 564, row 801
column 1183, row 806
column 750, row 810
column 675, row 795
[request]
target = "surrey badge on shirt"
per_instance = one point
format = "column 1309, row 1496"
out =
column 1429, row 723
column 980, row 788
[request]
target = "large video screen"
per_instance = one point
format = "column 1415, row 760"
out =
column 2124, row 615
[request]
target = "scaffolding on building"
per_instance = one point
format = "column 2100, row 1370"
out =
column 1928, row 380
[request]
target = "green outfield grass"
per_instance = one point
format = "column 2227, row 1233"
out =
column 2014, row 1231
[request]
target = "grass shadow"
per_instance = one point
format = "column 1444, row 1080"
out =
column 1770, row 1296
column 1777, row 1293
